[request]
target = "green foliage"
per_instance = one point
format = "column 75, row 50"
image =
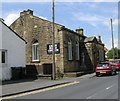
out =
column 117, row 53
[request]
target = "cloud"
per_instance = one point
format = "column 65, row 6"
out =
column 115, row 42
column 91, row 5
column 11, row 18
column 60, row 0
column 108, row 23
column 115, row 22
column 86, row 17
column 45, row 18
column 93, row 20
column 105, row 0
column 108, row 45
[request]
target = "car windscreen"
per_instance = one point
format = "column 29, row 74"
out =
column 117, row 61
column 103, row 64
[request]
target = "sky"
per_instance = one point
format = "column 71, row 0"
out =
column 91, row 15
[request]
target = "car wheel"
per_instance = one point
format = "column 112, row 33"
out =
column 112, row 72
column 97, row 75
column 115, row 72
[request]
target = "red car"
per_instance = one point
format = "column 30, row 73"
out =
column 116, row 63
column 105, row 68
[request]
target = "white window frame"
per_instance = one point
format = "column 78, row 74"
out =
column 35, row 51
column 77, row 51
column 70, row 57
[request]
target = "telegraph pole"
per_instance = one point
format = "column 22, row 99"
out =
column 53, row 44
column 112, row 40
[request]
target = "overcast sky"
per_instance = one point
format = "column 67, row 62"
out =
column 91, row 15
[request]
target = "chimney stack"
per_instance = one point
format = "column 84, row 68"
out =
column 99, row 38
column 79, row 31
column 26, row 12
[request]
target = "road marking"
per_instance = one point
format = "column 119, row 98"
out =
column 100, row 91
column 39, row 91
column 109, row 87
column 91, row 96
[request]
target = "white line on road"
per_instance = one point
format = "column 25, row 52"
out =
column 109, row 87
column 42, row 90
column 100, row 91
column 91, row 96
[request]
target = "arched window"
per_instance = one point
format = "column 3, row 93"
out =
column 35, row 51
column 70, row 50
column 77, row 51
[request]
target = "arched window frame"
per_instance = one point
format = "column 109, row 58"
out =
column 35, row 51
column 77, row 51
column 70, row 54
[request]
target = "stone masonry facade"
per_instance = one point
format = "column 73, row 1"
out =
column 34, row 29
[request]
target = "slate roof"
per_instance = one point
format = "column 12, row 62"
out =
column 62, row 26
column 93, row 39
column 89, row 39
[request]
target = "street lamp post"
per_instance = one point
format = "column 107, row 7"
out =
column 53, row 44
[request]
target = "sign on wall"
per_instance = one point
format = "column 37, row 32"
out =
column 50, row 48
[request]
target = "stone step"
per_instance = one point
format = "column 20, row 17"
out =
column 77, row 74
column 43, row 76
column 73, row 74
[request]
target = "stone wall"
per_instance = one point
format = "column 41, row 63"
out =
column 33, row 28
column 95, row 51
column 71, row 65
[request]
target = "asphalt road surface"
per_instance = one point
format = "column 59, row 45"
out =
column 105, row 87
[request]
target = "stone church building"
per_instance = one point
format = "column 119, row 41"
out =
column 74, row 52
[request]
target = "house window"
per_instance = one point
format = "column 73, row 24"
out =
column 3, row 55
column 101, row 56
column 70, row 50
column 35, row 51
column 77, row 50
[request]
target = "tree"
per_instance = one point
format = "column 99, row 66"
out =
column 110, row 53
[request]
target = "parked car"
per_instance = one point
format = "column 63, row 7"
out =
column 116, row 63
column 105, row 68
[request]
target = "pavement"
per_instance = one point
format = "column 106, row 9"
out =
column 26, row 85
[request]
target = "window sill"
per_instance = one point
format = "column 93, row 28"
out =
column 77, row 60
column 70, row 60
column 35, row 61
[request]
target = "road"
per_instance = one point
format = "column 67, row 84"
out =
column 105, row 87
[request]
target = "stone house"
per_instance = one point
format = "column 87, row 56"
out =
column 69, row 45
column 95, row 50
